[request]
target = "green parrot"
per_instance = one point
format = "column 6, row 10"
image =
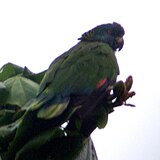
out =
column 88, row 68
column 90, row 65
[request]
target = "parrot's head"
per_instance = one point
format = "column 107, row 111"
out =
column 111, row 33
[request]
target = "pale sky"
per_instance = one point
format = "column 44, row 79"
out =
column 34, row 32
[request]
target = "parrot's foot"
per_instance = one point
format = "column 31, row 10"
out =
column 122, row 92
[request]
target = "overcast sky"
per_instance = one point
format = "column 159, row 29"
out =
column 34, row 32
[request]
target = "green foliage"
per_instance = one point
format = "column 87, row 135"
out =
column 20, row 90
column 9, row 70
column 17, row 86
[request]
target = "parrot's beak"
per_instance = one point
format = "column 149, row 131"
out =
column 120, row 42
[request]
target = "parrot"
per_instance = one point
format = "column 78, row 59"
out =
column 88, row 68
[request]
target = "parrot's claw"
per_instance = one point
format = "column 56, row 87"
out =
column 129, row 95
column 122, row 92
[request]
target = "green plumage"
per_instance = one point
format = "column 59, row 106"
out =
column 80, row 68
column 76, row 72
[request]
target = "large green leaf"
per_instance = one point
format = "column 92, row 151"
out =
column 9, row 70
column 20, row 90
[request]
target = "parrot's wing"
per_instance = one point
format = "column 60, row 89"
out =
column 83, row 69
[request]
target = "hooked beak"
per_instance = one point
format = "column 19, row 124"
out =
column 120, row 42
